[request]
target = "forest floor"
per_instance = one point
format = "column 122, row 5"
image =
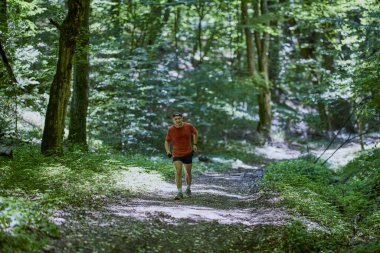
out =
column 227, row 213
column 224, row 207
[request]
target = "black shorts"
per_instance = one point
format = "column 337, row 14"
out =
column 185, row 159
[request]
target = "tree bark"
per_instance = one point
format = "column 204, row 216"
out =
column 52, row 139
column 248, row 38
column 3, row 18
column 200, row 9
column 155, row 23
column 307, row 51
column 116, row 13
column 177, row 21
column 360, row 128
column 264, row 97
column 79, row 99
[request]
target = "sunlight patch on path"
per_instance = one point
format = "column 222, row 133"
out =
column 277, row 152
column 136, row 180
column 210, row 189
column 280, row 151
column 343, row 155
column 168, row 211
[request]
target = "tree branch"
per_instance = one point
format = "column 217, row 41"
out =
column 55, row 23
column 7, row 65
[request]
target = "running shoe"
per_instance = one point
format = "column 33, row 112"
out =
column 188, row 192
column 178, row 196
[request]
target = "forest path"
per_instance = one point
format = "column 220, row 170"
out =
column 225, row 197
column 150, row 216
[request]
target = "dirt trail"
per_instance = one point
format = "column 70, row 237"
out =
column 226, row 198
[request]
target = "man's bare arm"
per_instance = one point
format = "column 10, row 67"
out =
column 195, row 141
column 167, row 147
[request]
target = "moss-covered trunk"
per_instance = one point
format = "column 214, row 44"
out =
column 79, row 99
column 264, row 97
column 52, row 139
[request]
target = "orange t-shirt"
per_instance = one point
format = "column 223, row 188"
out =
column 181, row 138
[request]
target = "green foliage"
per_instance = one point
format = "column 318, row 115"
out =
column 75, row 178
column 231, row 149
column 23, row 226
column 344, row 204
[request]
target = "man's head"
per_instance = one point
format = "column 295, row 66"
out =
column 177, row 119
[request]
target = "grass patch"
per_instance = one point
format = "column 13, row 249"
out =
column 241, row 150
column 344, row 204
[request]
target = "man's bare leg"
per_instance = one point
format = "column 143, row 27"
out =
column 178, row 175
column 188, row 174
column 188, row 177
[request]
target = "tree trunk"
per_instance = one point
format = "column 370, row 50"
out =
column 155, row 23
column 360, row 128
column 79, row 99
column 264, row 97
column 200, row 9
column 52, row 139
column 307, row 52
column 177, row 20
column 248, row 38
column 116, row 13
column 3, row 17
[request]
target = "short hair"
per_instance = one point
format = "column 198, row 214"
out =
column 176, row 114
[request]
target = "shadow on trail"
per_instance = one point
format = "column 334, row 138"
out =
column 224, row 210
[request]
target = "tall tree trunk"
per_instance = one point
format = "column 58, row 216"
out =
column 3, row 18
column 116, row 13
column 52, row 139
column 248, row 38
column 307, row 52
column 200, row 8
column 264, row 97
column 177, row 21
column 155, row 23
column 79, row 99
column 159, row 17
column 360, row 128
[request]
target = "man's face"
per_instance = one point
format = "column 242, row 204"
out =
column 177, row 120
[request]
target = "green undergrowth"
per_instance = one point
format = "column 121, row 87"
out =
column 32, row 185
column 24, row 226
column 242, row 150
column 342, row 207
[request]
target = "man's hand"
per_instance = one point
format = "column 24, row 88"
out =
column 195, row 148
column 169, row 155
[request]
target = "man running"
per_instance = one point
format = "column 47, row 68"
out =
column 180, row 134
